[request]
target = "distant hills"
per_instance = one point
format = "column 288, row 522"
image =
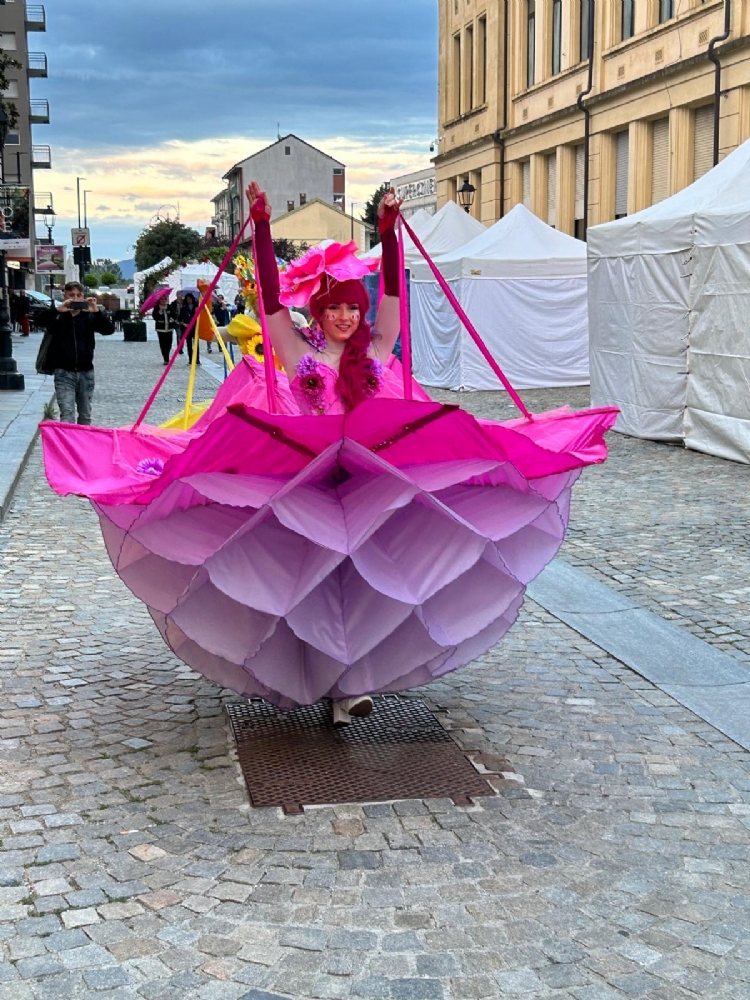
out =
column 128, row 269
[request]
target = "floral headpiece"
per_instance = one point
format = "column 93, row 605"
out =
column 304, row 277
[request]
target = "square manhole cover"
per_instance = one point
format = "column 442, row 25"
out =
column 400, row 751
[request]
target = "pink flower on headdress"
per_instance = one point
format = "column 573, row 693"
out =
column 303, row 278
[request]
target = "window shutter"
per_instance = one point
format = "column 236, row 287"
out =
column 703, row 141
column 580, row 164
column 552, row 188
column 526, row 175
column 660, row 161
column 621, row 175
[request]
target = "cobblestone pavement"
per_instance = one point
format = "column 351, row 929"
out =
column 668, row 527
column 613, row 862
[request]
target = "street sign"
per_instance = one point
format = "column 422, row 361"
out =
column 80, row 237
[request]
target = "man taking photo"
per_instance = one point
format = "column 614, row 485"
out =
column 72, row 326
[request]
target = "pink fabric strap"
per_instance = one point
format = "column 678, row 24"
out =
column 403, row 306
column 467, row 323
column 201, row 305
column 268, row 364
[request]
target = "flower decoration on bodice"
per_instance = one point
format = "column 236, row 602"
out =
column 312, row 383
column 150, row 467
column 304, row 277
column 372, row 376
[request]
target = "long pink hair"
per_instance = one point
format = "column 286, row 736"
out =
column 355, row 364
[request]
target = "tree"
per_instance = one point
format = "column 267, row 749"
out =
column 370, row 216
column 108, row 279
column 167, row 238
column 104, row 265
column 289, row 250
column 9, row 107
column 91, row 281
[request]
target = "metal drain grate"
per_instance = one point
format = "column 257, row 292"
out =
column 297, row 758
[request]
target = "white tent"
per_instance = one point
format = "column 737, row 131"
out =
column 440, row 233
column 523, row 286
column 669, row 305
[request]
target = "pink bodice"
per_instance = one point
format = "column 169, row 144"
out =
column 328, row 398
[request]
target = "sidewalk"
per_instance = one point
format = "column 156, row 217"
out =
column 20, row 414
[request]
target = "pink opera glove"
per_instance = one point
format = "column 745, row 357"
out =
column 303, row 278
column 259, row 212
column 388, row 219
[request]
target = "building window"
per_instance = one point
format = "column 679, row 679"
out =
column 455, row 110
column 482, row 60
column 526, row 183
column 338, row 199
column 703, row 140
column 287, row 150
column 8, row 41
column 302, row 199
column 13, row 139
column 290, row 206
column 12, row 89
column 621, row 175
column 666, row 10
column 338, row 171
column 530, row 42
column 659, row 160
column 556, row 36
column 578, row 210
column 585, row 19
column 627, row 23
column 552, row 190
column 469, row 68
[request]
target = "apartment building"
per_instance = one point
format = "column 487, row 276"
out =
column 291, row 171
column 587, row 110
column 19, row 21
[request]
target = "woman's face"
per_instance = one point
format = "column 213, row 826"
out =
column 340, row 320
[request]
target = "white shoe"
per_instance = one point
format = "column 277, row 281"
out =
column 348, row 708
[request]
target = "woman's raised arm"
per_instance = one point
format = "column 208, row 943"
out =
column 388, row 320
column 287, row 343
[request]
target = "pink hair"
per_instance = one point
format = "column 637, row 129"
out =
column 355, row 362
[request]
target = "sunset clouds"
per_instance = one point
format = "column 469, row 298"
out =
column 154, row 106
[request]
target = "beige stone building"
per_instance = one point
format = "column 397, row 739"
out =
column 316, row 221
column 520, row 103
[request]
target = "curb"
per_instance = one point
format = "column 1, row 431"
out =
column 17, row 444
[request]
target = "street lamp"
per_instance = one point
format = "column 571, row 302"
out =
column 466, row 195
column 49, row 221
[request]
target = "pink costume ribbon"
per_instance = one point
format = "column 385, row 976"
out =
column 201, row 305
column 403, row 305
column 461, row 315
column 268, row 364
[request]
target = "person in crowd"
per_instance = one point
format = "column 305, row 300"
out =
column 239, row 303
column 164, row 321
column 187, row 311
column 73, row 325
column 174, row 309
column 22, row 312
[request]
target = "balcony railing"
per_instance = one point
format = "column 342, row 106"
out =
column 36, row 17
column 43, row 203
column 39, row 113
column 41, row 157
column 37, row 64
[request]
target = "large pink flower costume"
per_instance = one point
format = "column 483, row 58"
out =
column 313, row 552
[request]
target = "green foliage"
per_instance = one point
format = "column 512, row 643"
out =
column 105, row 266
column 370, row 216
column 9, row 107
column 167, row 238
column 289, row 249
column 108, row 279
column 91, row 281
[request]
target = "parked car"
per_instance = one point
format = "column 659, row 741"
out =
column 38, row 303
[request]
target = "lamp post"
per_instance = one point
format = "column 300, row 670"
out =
column 10, row 377
column 466, row 196
column 49, row 220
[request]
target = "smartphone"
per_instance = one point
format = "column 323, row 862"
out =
column 78, row 304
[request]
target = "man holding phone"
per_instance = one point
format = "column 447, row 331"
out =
column 72, row 326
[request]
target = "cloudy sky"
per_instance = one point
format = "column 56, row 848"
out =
column 153, row 100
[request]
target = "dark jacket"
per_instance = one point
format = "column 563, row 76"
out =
column 163, row 319
column 73, row 341
column 187, row 312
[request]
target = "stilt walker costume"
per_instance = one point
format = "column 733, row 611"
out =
column 330, row 533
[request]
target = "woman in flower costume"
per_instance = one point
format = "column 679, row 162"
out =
column 329, row 531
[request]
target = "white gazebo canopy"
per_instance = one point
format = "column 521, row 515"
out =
column 439, row 233
column 669, row 300
column 523, row 286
